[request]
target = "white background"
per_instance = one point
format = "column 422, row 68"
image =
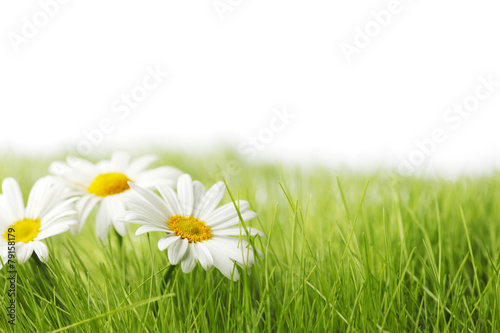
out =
column 226, row 76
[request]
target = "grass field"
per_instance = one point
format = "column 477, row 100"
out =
column 343, row 252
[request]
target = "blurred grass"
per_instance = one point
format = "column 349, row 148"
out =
column 409, row 255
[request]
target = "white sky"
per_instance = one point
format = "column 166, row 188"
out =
column 227, row 76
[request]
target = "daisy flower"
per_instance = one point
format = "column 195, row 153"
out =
column 195, row 230
column 49, row 212
column 106, row 184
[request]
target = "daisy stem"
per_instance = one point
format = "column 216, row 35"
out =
column 39, row 265
column 164, row 283
column 43, row 271
column 166, row 278
column 119, row 237
column 121, row 250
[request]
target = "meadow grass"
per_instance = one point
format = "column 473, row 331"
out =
column 343, row 252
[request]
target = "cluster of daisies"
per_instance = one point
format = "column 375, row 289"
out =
column 122, row 191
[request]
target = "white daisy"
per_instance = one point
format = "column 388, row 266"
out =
column 105, row 185
column 195, row 229
column 49, row 212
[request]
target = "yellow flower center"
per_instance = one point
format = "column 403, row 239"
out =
column 109, row 184
column 191, row 228
column 24, row 230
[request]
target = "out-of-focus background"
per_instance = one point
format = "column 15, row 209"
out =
column 409, row 85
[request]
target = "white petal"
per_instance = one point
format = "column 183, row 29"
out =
column 237, row 231
column 76, row 228
column 185, row 194
column 222, row 262
column 84, row 207
column 235, row 248
column 77, row 172
column 14, row 197
column 52, row 230
column 84, row 166
column 120, row 227
column 41, row 251
column 141, row 163
column 102, row 221
column 117, row 208
column 246, row 216
column 167, row 241
column 210, row 200
column 140, row 206
column 198, row 193
column 171, row 200
column 37, row 201
column 142, row 219
column 204, row 256
column 120, row 161
column 4, row 254
column 176, row 251
column 6, row 218
column 61, row 212
column 151, row 178
column 59, row 168
column 148, row 228
column 24, row 251
column 188, row 262
column 226, row 212
column 149, row 196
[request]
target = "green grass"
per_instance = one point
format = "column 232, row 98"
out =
column 344, row 252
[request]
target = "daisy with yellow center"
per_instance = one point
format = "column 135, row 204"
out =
column 49, row 212
column 105, row 185
column 195, row 231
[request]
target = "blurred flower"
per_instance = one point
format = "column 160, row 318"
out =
column 106, row 184
column 195, row 229
column 49, row 212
